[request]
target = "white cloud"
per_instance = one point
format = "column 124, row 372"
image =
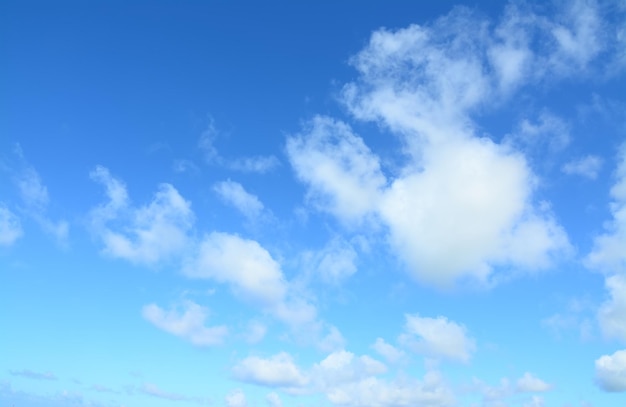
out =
column 612, row 314
column 236, row 398
column 457, row 193
column 438, row 337
column 608, row 252
column 587, row 166
column 10, row 226
column 277, row 371
column 188, row 324
column 531, row 384
column 342, row 367
column 343, row 174
column 611, row 372
column 234, row 194
column 243, row 264
column 389, row 352
column 332, row 341
column 273, row 400
column 153, row 232
column 535, row 401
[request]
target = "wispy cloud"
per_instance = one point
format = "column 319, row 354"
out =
column 234, row 194
column 588, row 166
column 30, row 374
column 10, row 226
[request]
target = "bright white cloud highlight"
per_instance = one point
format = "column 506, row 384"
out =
column 277, row 371
column 188, row 324
column 611, row 372
column 234, row 194
column 153, row 233
column 10, row 226
column 588, row 166
column 438, row 338
column 531, row 384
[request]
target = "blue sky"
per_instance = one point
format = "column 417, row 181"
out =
column 312, row 204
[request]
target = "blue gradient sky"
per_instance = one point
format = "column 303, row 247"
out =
column 312, row 204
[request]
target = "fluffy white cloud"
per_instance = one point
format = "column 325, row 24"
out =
column 389, row 352
column 10, row 226
column 343, row 174
column 188, row 324
column 234, row 194
column 608, row 252
column 243, row 264
column 277, row 371
column 457, row 193
column 531, row 384
column 342, row 367
column 611, row 372
column 438, row 337
column 587, row 166
column 152, row 233
column 612, row 314
column 236, row 398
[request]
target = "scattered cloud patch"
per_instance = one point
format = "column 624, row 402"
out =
column 153, row 233
column 389, row 352
column 611, row 372
column 438, row 338
column 31, row 374
column 234, row 194
column 236, row 398
column 587, row 167
column 531, row 384
column 10, row 226
column 276, row 371
column 612, row 314
column 273, row 400
column 188, row 324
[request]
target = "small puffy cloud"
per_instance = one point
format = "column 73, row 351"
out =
column 345, row 367
column 535, row 401
column 276, row 371
column 30, row 374
column 587, row 166
column 188, row 324
column 438, row 338
column 333, row 341
column 531, row 384
column 389, row 352
column 236, row 398
column 243, row 264
column 273, row 400
column 612, row 314
column 608, row 252
column 10, row 226
column 234, row 194
column 151, row 233
column 611, row 372
column 343, row 175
